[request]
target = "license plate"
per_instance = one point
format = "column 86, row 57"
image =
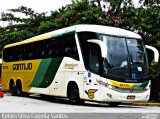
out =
column 131, row 97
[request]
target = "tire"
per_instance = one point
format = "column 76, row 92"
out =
column 12, row 88
column 114, row 104
column 18, row 89
column 73, row 95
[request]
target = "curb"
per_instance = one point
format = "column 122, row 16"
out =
column 143, row 104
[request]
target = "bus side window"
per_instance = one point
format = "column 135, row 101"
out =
column 83, row 37
column 50, row 53
column 51, row 49
column 30, row 51
column 43, row 54
column 20, row 57
column 93, row 57
column 70, row 47
column 15, row 53
column 44, row 49
column 19, row 53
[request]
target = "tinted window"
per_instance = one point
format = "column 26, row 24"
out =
column 93, row 57
column 83, row 37
column 55, row 47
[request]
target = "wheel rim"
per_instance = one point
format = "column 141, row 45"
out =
column 74, row 95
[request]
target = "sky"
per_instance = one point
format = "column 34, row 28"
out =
column 37, row 5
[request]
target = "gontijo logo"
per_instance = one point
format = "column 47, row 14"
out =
column 22, row 66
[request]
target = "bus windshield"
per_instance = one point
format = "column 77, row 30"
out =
column 125, row 58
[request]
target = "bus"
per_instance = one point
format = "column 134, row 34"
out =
column 81, row 63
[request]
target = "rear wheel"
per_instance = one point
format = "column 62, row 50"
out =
column 73, row 95
column 12, row 88
column 18, row 88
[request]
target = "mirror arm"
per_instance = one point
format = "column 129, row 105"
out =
column 156, row 53
column 102, row 46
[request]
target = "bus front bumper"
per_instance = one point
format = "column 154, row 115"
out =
column 109, row 95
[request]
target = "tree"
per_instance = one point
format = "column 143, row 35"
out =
column 79, row 12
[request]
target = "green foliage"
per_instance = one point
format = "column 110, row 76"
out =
column 155, row 69
column 45, row 26
column 14, row 37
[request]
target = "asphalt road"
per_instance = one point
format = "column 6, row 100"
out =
column 90, row 110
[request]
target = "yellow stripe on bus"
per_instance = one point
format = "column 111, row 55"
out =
column 30, row 40
column 122, row 85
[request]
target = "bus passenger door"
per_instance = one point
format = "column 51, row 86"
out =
column 91, row 87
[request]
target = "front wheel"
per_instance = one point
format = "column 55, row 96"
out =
column 73, row 95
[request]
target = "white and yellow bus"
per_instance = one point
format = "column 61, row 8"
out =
column 81, row 62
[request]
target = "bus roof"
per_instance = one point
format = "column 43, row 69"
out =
column 80, row 28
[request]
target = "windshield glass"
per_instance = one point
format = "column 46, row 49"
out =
column 138, row 59
column 125, row 58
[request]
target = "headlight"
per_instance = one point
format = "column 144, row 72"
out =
column 106, row 84
column 103, row 83
column 110, row 86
